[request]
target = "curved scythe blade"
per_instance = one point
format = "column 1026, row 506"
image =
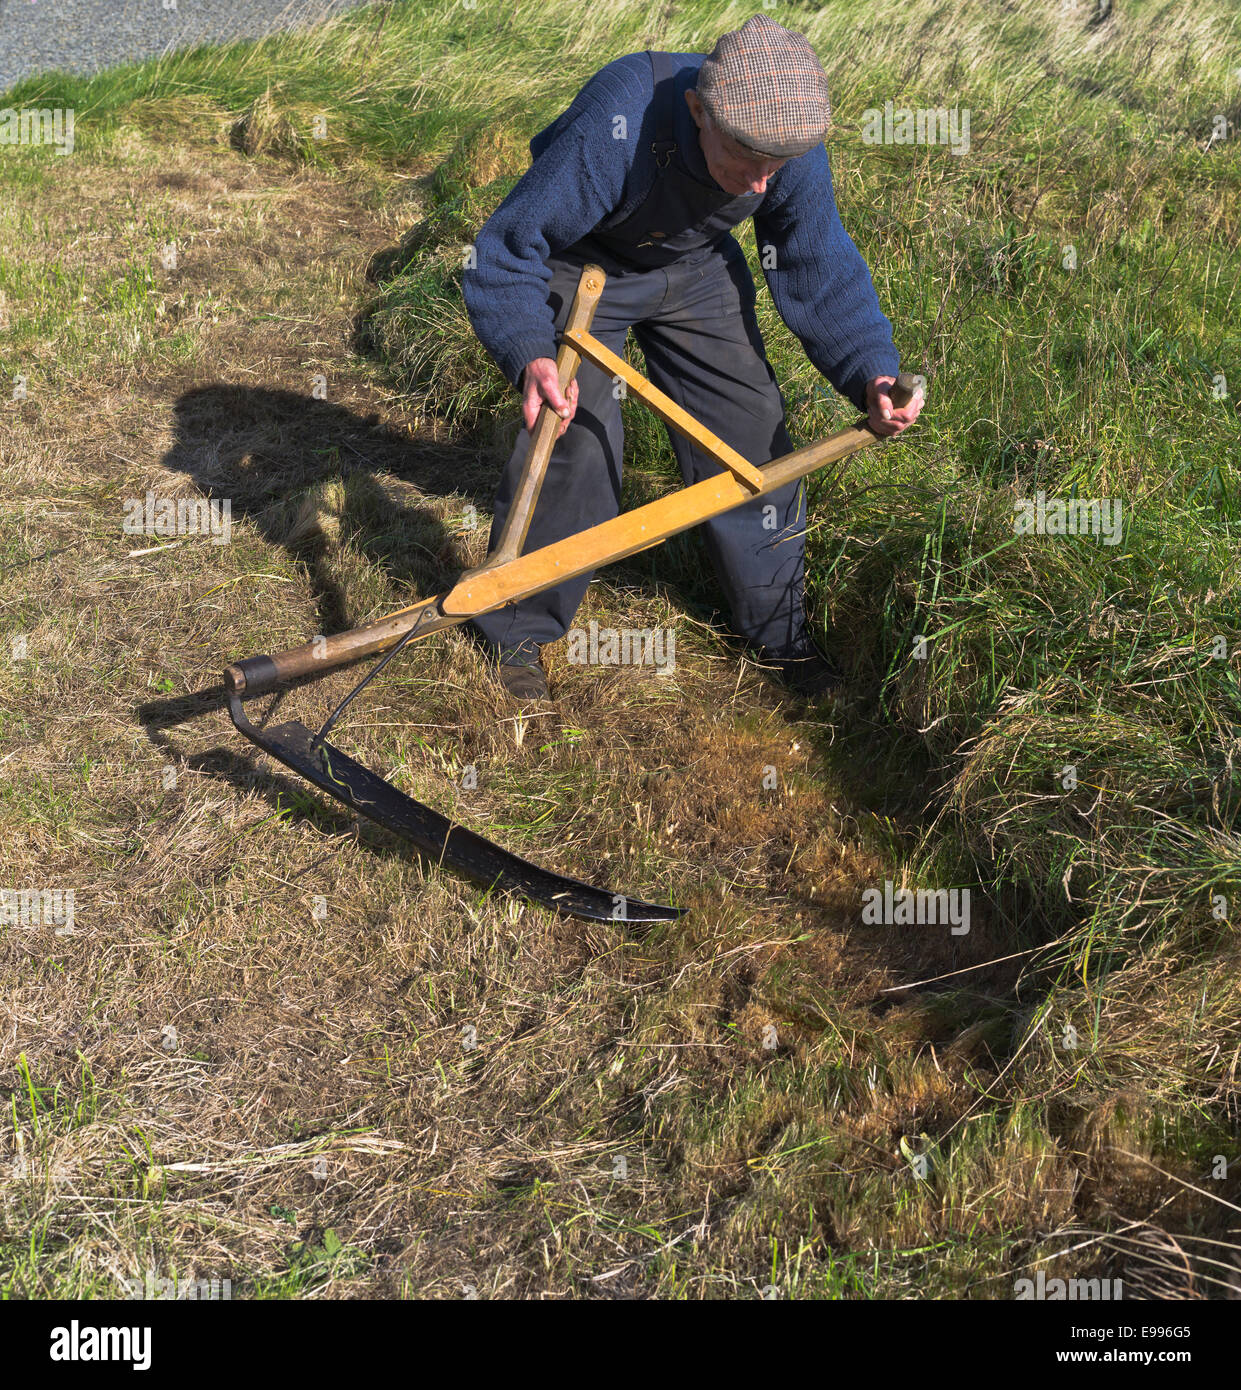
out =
column 340, row 776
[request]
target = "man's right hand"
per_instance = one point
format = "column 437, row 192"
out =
column 541, row 382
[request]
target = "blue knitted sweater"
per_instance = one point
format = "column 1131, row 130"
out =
column 818, row 280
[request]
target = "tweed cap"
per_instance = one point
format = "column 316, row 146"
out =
column 763, row 85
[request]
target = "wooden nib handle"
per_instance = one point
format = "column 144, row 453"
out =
column 904, row 389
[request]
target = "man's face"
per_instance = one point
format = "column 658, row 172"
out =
column 736, row 169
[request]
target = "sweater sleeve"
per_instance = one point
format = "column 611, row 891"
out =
column 569, row 188
column 819, row 282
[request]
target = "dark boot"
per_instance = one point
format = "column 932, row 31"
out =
column 526, row 682
column 806, row 671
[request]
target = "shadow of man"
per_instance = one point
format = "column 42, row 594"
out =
column 284, row 460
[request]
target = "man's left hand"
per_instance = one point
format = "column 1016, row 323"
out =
column 883, row 417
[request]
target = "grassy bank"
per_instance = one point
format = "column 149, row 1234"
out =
column 1061, row 742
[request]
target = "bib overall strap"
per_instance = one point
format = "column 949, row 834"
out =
column 664, row 67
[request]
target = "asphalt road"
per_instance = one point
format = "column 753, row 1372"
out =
column 86, row 35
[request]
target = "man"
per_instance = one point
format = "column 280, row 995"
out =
column 657, row 157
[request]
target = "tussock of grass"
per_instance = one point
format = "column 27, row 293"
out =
column 420, row 329
column 264, row 128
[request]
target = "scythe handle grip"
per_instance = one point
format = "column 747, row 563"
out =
column 904, row 388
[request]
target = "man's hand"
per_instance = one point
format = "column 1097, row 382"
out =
column 541, row 382
column 884, row 417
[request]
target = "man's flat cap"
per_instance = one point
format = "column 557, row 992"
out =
column 763, row 85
